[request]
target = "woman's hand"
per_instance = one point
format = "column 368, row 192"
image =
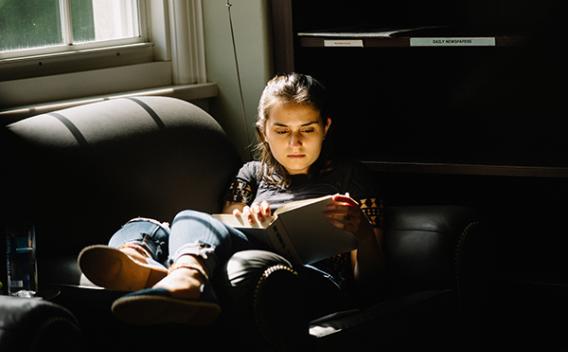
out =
column 344, row 213
column 256, row 215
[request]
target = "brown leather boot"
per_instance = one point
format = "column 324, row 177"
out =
column 127, row 268
column 161, row 305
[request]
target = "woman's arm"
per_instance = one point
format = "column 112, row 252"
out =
column 368, row 258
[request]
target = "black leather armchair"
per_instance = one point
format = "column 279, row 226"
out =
column 80, row 173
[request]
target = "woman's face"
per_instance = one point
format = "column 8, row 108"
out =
column 295, row 133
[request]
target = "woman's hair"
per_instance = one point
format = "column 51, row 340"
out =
column 288, row 88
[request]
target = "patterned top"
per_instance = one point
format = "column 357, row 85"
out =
column 338, row 177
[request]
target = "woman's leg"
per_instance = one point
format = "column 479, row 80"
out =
column 265, row 303
column 150, row 234
column 323, row 293
column 202, row 236
column 133, row 260
column 272, row 301
column 197, row 244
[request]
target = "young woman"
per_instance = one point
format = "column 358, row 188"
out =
column 169, row 270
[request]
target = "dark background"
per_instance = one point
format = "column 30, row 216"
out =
column 489, row 105
column 502, row 106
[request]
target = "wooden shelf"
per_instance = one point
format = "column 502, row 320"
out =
column 370, row 39
column 461, row 104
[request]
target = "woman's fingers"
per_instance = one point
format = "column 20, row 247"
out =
column 255, row 214
column 251, row 214
column 265, row 208
column 345, row 199
column 344, row 213
column 239, row 215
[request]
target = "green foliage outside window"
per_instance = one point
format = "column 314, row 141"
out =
column 37, row 23
column 83, row 24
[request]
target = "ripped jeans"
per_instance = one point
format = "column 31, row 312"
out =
column 220, row 246
column 191, row 232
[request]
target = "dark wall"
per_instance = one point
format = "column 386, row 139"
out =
column 498, row 105
column 487, row 105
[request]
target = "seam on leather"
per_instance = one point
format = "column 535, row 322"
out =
column 39, row 335
column 79, row 137
column 150, row 112
column 458, row 256
column 263, row 277
column 418, row 229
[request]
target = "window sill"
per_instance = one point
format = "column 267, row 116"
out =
column 188, row 92
column 76, row 85
column 74, row 60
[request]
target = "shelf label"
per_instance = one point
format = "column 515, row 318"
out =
column 453, row 41
column 343, row 42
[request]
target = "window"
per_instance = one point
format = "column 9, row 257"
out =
column 88, row 50
column 30, row 27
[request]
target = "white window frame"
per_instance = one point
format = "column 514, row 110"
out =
column 68, row 43
column 170, row 61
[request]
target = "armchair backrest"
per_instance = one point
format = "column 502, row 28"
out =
column 82, row 172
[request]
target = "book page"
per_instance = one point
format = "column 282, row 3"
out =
column 273, row 235
column 300, row 231
column 231, row 220
column 301, row 203
column 312, row 234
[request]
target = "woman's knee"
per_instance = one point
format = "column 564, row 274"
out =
column 264, row 292
column 240, row 276
column 189, row 214
column 248, row 265
column 151, row 234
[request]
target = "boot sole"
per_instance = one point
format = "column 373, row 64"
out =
column 156, row 310
column 110, row 268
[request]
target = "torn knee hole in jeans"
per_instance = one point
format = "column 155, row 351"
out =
column 198, row 249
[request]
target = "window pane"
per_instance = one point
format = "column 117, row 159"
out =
column 95, row 20
column 29, row 24
column 83, row 24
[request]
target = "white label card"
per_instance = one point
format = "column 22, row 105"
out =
column 343, row 43
column 451, row 41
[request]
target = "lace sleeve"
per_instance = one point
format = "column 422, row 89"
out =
column 240, row 191
column 243, row 187
column 373, row 209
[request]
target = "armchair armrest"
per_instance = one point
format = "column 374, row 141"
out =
column 424, row 246
column 30, row 324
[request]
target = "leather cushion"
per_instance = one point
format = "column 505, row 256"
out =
column 84, row 171
column 32, row 324
column 422, row 245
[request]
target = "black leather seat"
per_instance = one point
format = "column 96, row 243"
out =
column 37, row 325
column 433, row 290
column 82, row 172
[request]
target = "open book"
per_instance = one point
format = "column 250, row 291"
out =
column 299, row 231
